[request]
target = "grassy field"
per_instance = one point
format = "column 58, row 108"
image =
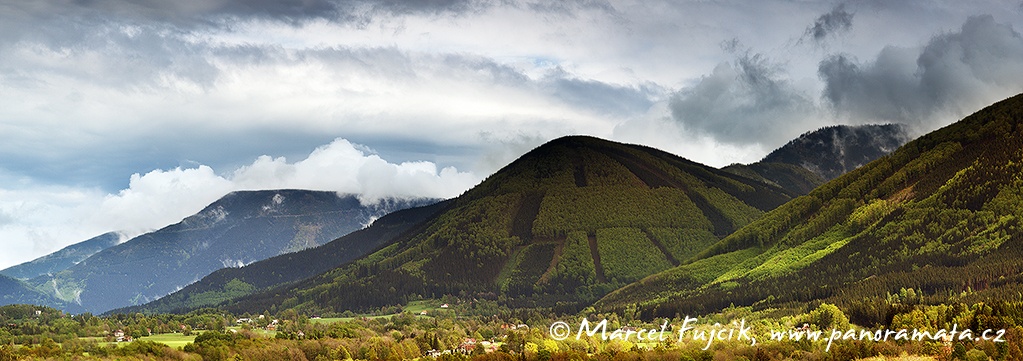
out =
column 174, row 340
column 257, row 330
column 329, row 320
column 420, row 306
column 414, row 307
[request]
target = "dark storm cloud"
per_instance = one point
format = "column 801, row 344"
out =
column 429, row 6
column 836, row 21
column 116, row 56
column 746, row 102
column 193, row 12
column 955, row 73
column 569, row 7
column 600, row 97
column 177, row 11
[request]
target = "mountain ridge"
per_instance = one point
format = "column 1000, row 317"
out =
column 227, row 283
column 240, row 228
column 63, row 258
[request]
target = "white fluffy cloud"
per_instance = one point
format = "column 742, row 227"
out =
column 162, row 197
column 159, row 198
column 347, row 168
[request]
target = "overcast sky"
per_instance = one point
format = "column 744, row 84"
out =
column 132, row 114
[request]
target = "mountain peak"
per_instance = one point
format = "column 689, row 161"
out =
column 567, row 221
column 832, row 151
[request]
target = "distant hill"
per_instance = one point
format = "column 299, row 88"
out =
column 818, row 156
column 229, row 283
column 942, row 217
column 238, row 229
column 564, row 224
column 13, row 291
column 64, row 258
column 832, row 151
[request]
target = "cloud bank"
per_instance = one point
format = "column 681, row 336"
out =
column 953, row 75
column 753, row 100
column 748, row 101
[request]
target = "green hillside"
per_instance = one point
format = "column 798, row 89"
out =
column 563, row 225
column 13, row 291
column 789, row 176
column 939, row 217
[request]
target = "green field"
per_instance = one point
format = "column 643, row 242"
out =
column 256, row 330
column 174, row 340
column 414, row 307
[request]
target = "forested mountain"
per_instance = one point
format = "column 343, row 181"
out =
column 793, row 178
column 64, row 258
column 818, row 156
column 240, row 228
column 832, row 151
column 564, row 224
column 940, row 217
column 228, row 283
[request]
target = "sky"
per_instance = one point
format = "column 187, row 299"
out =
column 129, row 115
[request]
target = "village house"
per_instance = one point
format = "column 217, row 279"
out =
column 488, row 346
column 467, row 345
column 121, row 337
